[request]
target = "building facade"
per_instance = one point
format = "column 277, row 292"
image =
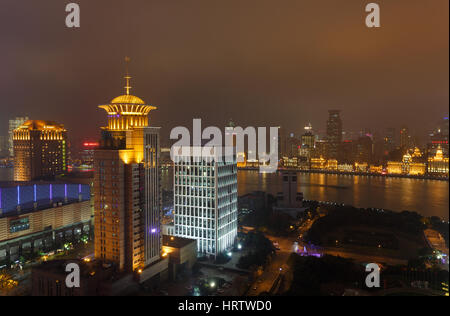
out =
column 40, row 150
column 13, row 125
column 334, row 134
column 127, row 187
column 41, row 216
column 205, row 198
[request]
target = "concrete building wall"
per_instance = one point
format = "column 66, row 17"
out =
column 55, row 218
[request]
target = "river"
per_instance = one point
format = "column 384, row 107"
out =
column 427, row 197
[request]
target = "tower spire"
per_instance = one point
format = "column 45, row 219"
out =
column 127, row 76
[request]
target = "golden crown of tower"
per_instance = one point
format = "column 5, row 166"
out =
column 127, row 111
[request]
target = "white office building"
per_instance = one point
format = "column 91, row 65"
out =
column 205, row 199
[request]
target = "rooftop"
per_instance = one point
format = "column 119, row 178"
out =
column 176, row 242
column 40, row 125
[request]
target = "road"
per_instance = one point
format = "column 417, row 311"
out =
column 265, row 282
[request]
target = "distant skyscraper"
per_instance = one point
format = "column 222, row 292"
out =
column 364, row 150
column 334, row 133
column 390, row 139
column 127, row 188
column 205, row 198
column 4, row 146
column 308, row 139
column 40, row 150
column 405, row 138
column 13, row 125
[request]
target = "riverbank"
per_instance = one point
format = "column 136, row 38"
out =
column 368, row 174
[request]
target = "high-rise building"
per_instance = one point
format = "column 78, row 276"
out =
column 364, row 150
column 308, row 140
column 334, row 133
column 390, row 139
column 290, row 197
column 405, row 138
column 87, row 153
column 40, row 150
column 293, row 144
column 205, row 198
column 13, row 125
column 127, row 189
column 4, row 146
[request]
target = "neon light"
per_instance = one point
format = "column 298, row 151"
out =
column 51, row 192
column 18, row 195
column 35, row 195
column 65, row 190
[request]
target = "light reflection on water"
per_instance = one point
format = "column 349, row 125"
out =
column 427, row 197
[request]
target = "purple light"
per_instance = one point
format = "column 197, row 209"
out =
column 79, row 188
column 65, row 190
column 18, row 195
column 51, row 192
column 35, row 195
column 153, row 230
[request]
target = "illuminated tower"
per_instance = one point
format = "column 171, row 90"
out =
column 205, row 199
column 127, row 186
column 40, row 150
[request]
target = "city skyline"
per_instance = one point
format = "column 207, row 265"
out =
column 217, row 75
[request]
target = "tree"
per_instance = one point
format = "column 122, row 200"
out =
column 6, row 281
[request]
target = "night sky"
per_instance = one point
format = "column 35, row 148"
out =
column 259, row 62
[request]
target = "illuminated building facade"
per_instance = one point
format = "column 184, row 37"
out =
column 308, row 139
column 87, row 153
column 410, row 165
column 438, row 165
column 361, row 167
column 318, row 163
column 376, row 169
column 41, row 216
column 13, row 125
column 205, row 198
column 40, row 150
column 290, row 162
column 345, row 167
column 127, row 188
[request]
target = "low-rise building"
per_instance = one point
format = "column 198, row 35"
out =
column 41, row 216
